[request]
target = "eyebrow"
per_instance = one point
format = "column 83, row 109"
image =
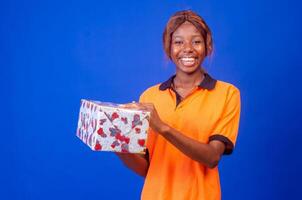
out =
column 197, row 35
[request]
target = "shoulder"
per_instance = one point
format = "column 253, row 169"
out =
column 150, row 92
column 227, row 91
column 226, row 87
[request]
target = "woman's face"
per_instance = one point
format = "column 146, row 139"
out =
column 187, row 48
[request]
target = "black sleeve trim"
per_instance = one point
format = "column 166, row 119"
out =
column 229, row 146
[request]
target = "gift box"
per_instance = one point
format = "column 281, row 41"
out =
column 110, row 127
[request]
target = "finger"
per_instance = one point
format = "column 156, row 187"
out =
column 128, row 105
column 142, row 107
column 148, row 106
column 132, row 105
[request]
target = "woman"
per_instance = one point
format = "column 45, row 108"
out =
column 194, row 119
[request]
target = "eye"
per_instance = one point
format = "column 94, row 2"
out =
column 177, row 42
column 197, row 42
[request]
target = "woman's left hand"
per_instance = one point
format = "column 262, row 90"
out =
column 155, row 122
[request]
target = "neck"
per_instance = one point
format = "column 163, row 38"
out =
column 185, row 80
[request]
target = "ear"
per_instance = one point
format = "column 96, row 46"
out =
column 209, row 44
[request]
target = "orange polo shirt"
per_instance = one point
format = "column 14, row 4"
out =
column 211, row 112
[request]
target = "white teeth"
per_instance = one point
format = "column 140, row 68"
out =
column 187, row 59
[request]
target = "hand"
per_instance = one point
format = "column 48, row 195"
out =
column 155, row 122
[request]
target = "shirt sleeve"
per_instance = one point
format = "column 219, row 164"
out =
column 226, row 130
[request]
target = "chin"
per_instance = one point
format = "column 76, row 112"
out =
column 190, row 69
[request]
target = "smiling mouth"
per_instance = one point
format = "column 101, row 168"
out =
column 188, row 61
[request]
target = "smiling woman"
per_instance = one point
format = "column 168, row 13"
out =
column 187, row 16
column 187, row 48
column 194, row 119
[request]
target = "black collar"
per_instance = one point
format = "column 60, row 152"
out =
column 207, row 83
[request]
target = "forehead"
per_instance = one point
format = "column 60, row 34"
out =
column 186, row 29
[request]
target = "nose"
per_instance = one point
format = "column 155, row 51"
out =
column 188, row 47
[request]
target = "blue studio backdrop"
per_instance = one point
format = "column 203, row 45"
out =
column 53, row 53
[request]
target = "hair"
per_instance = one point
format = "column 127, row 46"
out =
column 178, row 19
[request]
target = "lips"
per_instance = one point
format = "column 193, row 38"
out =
column 188, row 61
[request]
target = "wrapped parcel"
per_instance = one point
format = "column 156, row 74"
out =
column 110, row 127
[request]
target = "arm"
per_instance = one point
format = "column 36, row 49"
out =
column 137, row 163
column 207, row 154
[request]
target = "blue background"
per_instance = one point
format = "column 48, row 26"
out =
column 53, row 53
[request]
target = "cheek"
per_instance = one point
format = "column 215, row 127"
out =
column 200, row 50
column 174, row 52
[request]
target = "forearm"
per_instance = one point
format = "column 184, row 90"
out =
column 135, row 162
column 206, row 154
